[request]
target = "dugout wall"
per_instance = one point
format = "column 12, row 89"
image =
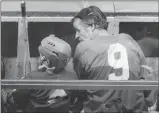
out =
column 53, row 17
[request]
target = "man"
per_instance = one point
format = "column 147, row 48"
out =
column 148, row 43
column 54, row 57
column 100, row 56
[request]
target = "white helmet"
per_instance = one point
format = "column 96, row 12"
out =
column 57, row 51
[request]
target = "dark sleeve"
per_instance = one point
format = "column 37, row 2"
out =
column 21, row 96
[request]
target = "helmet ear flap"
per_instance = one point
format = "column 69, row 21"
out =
column 55, row 54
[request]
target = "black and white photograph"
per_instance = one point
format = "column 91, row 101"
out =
column 79, row 56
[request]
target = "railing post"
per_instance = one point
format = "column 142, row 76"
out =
column 113, row 27
column 23, row 52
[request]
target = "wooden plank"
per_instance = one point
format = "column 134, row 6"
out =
column 10, row 68
column 113, row 27
column 77, row 5
column 136, row 6
column 68, row 19
column 56, row 6
column 23, row 53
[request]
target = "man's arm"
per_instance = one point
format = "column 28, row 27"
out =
column 21, row 96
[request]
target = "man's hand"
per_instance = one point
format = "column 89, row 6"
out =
column 153, row 108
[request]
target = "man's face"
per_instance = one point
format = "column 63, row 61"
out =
column 83, row 31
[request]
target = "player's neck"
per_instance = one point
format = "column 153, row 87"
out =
column 100, row 33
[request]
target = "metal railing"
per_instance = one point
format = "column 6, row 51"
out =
column 80, row 84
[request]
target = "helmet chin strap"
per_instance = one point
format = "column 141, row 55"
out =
column 49, row 70
column 44, row 64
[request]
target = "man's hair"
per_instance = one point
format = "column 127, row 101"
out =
column 92, row 15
